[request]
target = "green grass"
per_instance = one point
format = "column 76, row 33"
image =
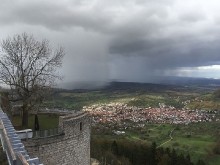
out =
column 212, row 159
column 45, row 121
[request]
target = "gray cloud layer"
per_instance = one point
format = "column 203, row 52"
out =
column 127, row 40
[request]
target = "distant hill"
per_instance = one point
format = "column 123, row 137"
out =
column 82, row 85
column 189, row 81
column 163, row 83
column 133, row 87
column 216, row 94
column 124, row 86
column 165, row 80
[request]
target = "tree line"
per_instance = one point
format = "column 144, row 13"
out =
column 125, row 152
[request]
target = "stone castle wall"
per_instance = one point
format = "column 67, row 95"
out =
column 70, row 148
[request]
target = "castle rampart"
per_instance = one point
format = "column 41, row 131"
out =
column 14, row 149
column 72, row 147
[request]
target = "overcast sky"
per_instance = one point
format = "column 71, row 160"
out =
column 126, row 40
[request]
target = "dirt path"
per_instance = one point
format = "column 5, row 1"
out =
column 167, row 140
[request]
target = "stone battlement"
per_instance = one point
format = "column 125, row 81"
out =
column 12, row 145
column 69, row 147
column 72, row 147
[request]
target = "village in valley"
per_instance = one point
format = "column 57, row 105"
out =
column 117, row 113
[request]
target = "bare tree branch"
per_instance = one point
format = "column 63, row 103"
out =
column 29, row 67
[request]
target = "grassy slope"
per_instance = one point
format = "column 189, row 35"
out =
column 209, row 101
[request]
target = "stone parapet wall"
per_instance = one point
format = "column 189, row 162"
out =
column 11, row 144
column 70, row 148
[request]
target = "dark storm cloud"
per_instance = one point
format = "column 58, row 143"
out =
column 50, row 14
column 130, row 40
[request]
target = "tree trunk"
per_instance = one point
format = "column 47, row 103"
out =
column 25, row 116
column 5, row 104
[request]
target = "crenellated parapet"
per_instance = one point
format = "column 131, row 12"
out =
column 71, row 147
column 12, row 145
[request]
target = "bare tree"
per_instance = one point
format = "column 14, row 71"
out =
column 29, row 68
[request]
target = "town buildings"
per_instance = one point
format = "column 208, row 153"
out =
column 119, row 112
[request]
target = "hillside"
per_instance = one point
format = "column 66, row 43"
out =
column 138, row 94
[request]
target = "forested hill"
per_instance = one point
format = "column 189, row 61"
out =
column 133, row 86
column 125, row 86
